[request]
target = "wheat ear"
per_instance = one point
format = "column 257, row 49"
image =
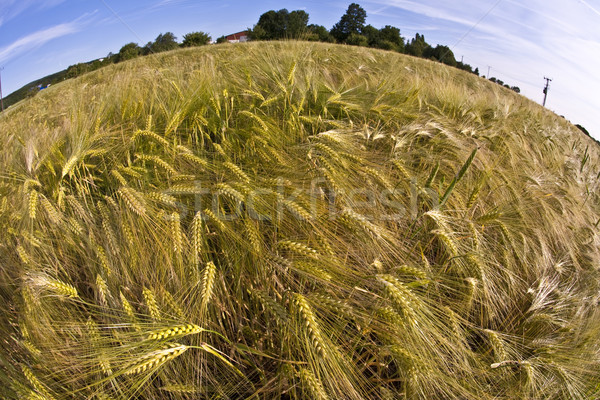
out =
column 208, row 282
column 314, row 387
column 151, row 304
column 310, row 322
column 155, row 359
column 178, row 330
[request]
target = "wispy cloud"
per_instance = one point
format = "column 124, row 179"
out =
column 10, row 9
column 38, row 38
column 595, row 10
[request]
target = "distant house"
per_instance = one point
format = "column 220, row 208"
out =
column 237, row 37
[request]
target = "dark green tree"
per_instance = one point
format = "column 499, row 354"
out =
column 78, row 69
column 281, row 24
column 271, row 25
column 356, row 39
column 417, row 46
column 222, row 39
column 296, row 24
column 129, row 51
column 390, row 35
column 440, row 53
column 164, row 42
column 387, row 38
column 372, row 35
column 318, row 33
column 353, row 21
column 195, row 39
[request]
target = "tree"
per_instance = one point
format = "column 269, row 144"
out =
column 195, row 39
column 163, row 42
column 271, row 25
column 444, row 55
column 372, row 35
column 353, row 21
column 319, row 33
column 417, row 46
column 356, row 39
column 78, row 69
column 296, row 24
column 440, row 53
column 129, row 51
column 391, row 35
column 221, row 39
column 281, row 24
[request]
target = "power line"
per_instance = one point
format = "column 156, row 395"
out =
column 123, row 22
column 548, row 80
column 476, row 23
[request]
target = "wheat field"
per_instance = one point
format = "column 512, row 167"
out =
column 295, row 220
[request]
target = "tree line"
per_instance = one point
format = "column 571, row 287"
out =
column 351, row 29
column 163, row 42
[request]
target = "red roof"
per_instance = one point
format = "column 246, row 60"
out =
column 237, row 36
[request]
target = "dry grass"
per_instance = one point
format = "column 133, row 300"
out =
column 306, row 221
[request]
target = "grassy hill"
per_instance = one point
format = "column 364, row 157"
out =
column 295, row 220
column 32, row 88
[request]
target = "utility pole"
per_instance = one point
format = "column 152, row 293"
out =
column 548, row 80
column 1, row 99
column 488, row 75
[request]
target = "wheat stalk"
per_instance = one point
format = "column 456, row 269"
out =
column 310, row 323
column 151, row 304
column 133, row 200
column 32, row 204
column 208, row 282
column 102, row 289
column 155, row 359
column 129, row 311
column 237, row 171
column 300, row 248
column 314, row 387
column 35, row 382
column 156, row 160
column 178, row 330
column 176, row 234
column 42, row 281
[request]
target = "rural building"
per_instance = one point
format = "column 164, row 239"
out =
column 238, row 37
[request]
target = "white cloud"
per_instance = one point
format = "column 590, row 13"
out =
column 10, row 9
column 35, row 40
column 523, row 42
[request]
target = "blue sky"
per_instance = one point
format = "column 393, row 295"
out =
column 522, row 41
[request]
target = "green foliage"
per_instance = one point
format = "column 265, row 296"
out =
column 440, row 53
column 280, row 24
column 386, row 38
column 319, row 33
column 318, row 226
column 221, row 39
column 195, row 39
column 390, row 39
column 128, row 52
column 163, row 42
column 417, row 46
column 352, row 22
column 77, row 69
column 356, row 39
